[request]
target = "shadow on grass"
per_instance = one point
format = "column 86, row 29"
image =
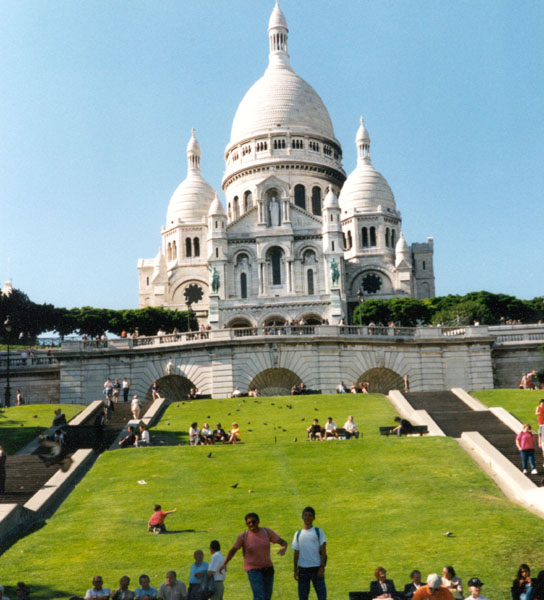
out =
column 42, row 592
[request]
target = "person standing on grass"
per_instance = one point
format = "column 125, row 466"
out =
column 255, row 544
column 540, row 415
column 525, row 442
column 156, row 522
column 198, row 569
column 310, row 558
column 216, row 561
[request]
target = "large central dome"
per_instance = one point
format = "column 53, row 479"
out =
column 280, row 99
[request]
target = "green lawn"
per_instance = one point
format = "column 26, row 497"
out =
column 381, row 501
column 21, row 424
column 521, row 403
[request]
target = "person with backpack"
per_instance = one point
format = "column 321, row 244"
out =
column 255, row 544
column 310, row 546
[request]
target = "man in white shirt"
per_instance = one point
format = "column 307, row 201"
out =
column 351, row 427
column 331, row 430
column 215, row 563
column 172, row 589
column 310, row 546
column 97, row 591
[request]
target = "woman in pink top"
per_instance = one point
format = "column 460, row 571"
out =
column 255, row 544
column 526, row 445
column 540, row 414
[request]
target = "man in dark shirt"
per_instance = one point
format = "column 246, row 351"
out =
column 130, row 439
column 404, row 427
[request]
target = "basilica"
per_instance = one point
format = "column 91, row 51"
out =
column 295, row 239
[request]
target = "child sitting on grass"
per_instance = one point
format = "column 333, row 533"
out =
column 156, row 522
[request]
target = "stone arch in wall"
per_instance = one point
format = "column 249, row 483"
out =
column 173, row 387
column 381, row 380
column 275, row 382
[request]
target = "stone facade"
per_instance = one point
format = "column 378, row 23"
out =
column 298, row 240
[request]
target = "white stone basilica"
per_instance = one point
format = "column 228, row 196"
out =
column 298, row 240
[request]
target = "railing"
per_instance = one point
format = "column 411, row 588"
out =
column 16, row 362
column 517, row 334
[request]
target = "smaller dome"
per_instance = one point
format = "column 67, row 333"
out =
column 366, row 188
column 193, row 147
column 277, row 18
column 191, row 200
column 216, row 207
column 331, row 200
column 362, row 133
column 401, row 246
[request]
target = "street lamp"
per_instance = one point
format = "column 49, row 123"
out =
column 188, row 303
column 361, row 299
column 7, row 393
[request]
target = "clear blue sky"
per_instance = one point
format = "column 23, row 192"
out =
column 98, row 98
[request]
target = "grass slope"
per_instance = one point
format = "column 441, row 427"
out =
column 379, row 500
column 21, row 424
column 521, row 403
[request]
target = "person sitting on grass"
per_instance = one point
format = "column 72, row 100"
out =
column 523, row 587
column 97, row 591
column 22, row 591
column 172, row 589
column 404, row 427
column 129, row 439
column 253, row 392
column 331, row 430
column 194, row 434
column 234, row 434
column 2, row 595
column 206, row 434
column 353, row 388
column 382, row 587
column 410, row 588
column 351, row 428
column 145, row 591
column 122, row 592
column 192, row 394
column 474, row 585
column 198, row 569
column 236, row 392
column 144, row 438
column 452, row 582
column 315, row 431
column 219, row 434
column 156, row 522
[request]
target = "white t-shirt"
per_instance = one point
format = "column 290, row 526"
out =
column 308, row 545
column 92, row 593
column 350, row 426
column 330, row 426
column 215, row 562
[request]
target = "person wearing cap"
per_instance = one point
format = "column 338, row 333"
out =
column 433, row 589
column 474, row 585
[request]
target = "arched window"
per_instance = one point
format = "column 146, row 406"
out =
column 364, row 237
column 275, row 256
column 387, row 237
column 372, row 236
column 350, row 241
column 169, row 252
column 300, row 196
column 316, row 200
column 196, row 246
column 243, row 285
column 310, row 276
column 248, row 201
column 393, row 236
column 188, row 252
column 174, row 250
column 236, row 207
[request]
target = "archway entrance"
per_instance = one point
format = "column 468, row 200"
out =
column 381, row 380
column 275, row 382
column 173, row 387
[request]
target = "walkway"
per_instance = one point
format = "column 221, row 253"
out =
column 454, row 417
column 26, row 474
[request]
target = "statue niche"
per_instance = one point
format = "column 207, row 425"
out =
column 273, row 208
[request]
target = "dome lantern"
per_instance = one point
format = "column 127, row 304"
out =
column 277, row 34
column 362, row 139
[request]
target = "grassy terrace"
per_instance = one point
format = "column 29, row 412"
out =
column 521, row 403
column 21, row 424
column 379, row 500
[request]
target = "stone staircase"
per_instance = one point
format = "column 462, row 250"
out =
column 454, row 417
column 26, row 474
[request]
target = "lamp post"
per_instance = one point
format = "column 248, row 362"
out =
column 7, row 393
column 188, row 303
column 361, row 299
